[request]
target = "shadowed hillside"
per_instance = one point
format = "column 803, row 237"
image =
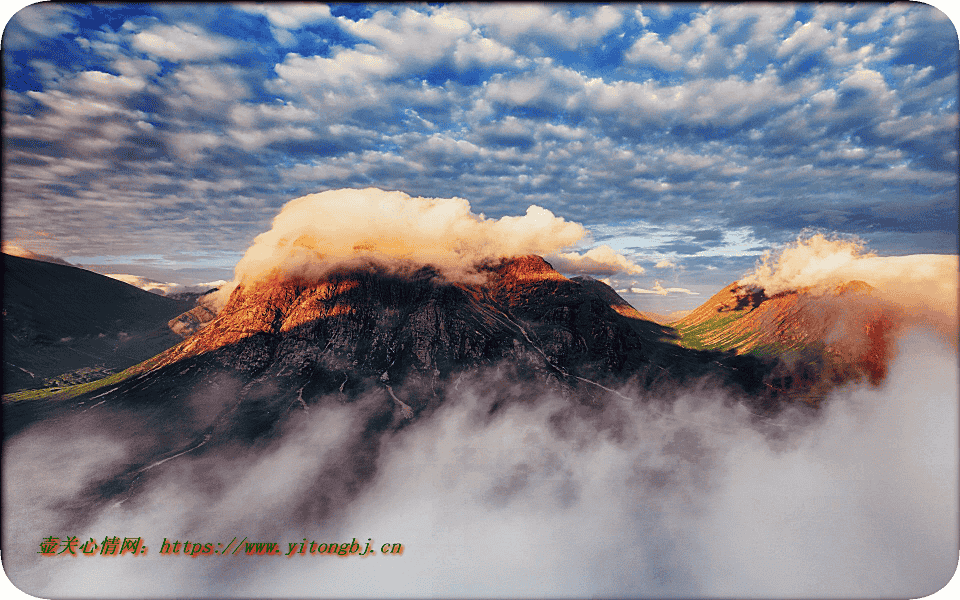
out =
column 59, row 318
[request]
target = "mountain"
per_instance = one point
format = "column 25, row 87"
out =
column 387, row 349
column 822, row 337
column 281, row 344
column 59, row 318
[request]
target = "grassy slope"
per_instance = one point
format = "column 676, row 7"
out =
column 766, row 329
column 72, row 391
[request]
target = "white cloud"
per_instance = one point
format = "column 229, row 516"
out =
column 290, row 15
column 286, row 18
column 105, row 84
column 481, row 51
column 135, row 68
column 602, row 260
column 315, row 233
column 650, row 50
column 183, row 43
column 189, row 146
column 511, row 21
column 877, row 18
column 40, row 19
column 164, row 289
column 641, row 18
column 927, row 282
column 212, row 83
column 661, row 291
column 918, row 126
column 251, row 139
column 411, row 37
column 349, row 67
column 808, row 38
column 866, row 79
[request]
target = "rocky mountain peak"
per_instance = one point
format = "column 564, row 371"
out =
column 524, row 269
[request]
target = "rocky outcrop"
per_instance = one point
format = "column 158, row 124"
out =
column 286, row 343
column 192, row 321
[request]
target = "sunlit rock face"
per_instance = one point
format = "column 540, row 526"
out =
column 366, row 322
column 288, row 342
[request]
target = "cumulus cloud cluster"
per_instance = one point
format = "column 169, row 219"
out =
column 316, row 233
column 602, row 260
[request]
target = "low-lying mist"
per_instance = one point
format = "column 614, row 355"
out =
column 680, row 494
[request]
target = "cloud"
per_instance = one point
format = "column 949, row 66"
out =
column 508, row 105
column 37, row 21
column 602, row 260
column 628, row 497
column 481, row 51
column 316, row 233
column 809, row 37
column 660, row 290
column 105, row 84
column 206, row 83
column 513, row 22
column 926, row 285
column 288, row 16
column 650, row 50
column 164, row 289
column 351, row 67
column 14, row 249
column 665, row 264
column 183, row 43
column 411, row 38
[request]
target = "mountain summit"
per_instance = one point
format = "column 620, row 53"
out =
column 376, row 323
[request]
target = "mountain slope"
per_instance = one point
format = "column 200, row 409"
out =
column 822, row 336
column 57, row 318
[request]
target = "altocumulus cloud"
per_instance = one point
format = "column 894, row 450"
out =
column 196, row 123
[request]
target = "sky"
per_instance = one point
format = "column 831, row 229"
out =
column 157, row 140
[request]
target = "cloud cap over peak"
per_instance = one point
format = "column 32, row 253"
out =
column 316, row 233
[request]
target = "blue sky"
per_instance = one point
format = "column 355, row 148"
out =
column 158, row 140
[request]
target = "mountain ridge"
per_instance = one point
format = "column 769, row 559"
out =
column 287, row 340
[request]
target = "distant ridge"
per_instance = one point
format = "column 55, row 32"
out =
column 828, row 335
